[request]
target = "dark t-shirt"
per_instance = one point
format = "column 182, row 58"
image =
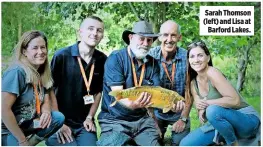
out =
column 24, row 108
column 118, row 72
column 69, row 84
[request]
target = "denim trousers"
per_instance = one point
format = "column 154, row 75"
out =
column 231, row 125
column 116, row 132
column 56, row 123
column 81, row 137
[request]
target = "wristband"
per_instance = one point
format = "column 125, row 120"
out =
column 22, row 141
column 184, row 119
column 89, row 117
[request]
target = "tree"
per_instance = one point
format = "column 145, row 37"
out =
column 60, row 22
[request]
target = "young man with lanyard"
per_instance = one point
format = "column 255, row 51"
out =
column 127, row 121
column 77, row 71
column 172, row 62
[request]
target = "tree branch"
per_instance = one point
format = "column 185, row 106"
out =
column 134, row 10
column 146, row 12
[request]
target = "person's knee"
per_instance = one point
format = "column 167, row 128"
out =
column 177, row 137
column 86, row 138
column 185, row 142
column 112, row 138
column 212, row 112
column 58, row 118
column 52, row 140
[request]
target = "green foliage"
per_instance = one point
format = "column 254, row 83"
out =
column 60, row 22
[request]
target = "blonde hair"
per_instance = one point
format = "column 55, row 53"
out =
column 33, row 76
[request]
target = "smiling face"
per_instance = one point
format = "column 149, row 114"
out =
column 91, row 32
column 198, row 59
column 36, row 52
column 170, row 35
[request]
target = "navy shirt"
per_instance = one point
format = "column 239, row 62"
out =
column 118, row 72
column 69, row 84
column 180, row 59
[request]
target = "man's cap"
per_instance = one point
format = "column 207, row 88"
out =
column 142, row 28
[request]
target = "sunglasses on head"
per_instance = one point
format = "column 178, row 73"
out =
column 195, row 44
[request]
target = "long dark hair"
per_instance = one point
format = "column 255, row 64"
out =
column 191, row 74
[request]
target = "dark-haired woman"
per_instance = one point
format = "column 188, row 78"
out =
column 225, row 114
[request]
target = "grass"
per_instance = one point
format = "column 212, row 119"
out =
column 254, row 101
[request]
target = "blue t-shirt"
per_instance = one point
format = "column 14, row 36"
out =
column 69, row 84
column 180, row 59
column 118, row 72
column 24, row 108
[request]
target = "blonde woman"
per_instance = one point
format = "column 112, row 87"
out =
column 27, row 118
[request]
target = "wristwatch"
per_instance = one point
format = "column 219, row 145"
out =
column 89, row 117
column 184, row 119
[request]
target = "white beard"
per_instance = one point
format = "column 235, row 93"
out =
column 140, row 53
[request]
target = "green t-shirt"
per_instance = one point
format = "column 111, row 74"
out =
column 24, row 108
column 214, row 94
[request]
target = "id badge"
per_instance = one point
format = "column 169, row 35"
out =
column 88, row 99
column 36, row 123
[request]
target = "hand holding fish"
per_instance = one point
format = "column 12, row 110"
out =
column 143, row 100
column 201, row 104
column 178, row 107
column 149, row 96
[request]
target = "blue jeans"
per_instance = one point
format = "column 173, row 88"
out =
column 231, row 125
column 56, row 123
column 81, row 137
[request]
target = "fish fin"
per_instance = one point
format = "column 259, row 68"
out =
column 166, row 109
column 149, row 105
column 114, row 103
column 114, row 93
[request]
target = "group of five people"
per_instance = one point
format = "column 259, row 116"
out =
column 58, row 103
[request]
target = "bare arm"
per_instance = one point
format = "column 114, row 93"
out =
column 197, row 99
column 53, row 100
column 8, row 116
column 230, row 97
column 194, row 93
column 188, row 106
column 46, row 107
column 95, row 105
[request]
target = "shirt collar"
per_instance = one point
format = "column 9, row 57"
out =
column 75, row 49
column 176, row 57
column 75, row 52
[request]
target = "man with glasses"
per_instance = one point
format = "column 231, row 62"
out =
column 172, row 62
column 127, row 122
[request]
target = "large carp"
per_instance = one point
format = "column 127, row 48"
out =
column 161, row 98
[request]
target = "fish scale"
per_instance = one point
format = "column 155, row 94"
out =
column 160, row 97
